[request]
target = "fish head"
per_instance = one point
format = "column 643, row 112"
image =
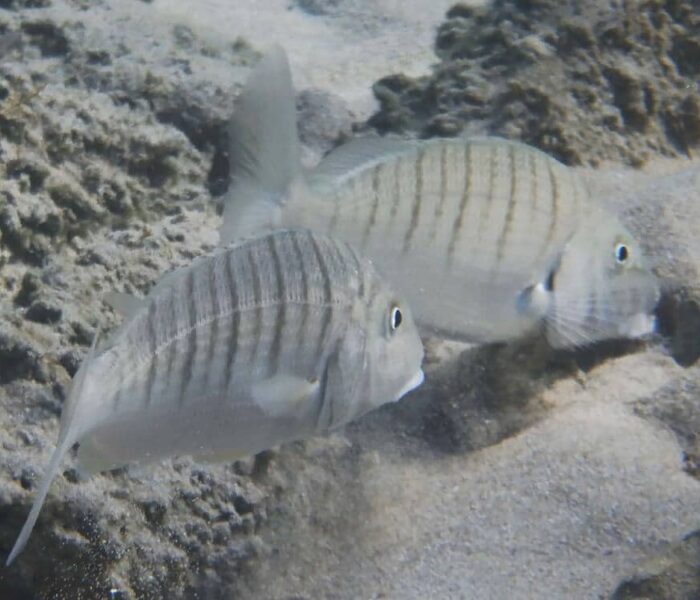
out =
column 378, row 360
column 394, row 349
column 601, row 286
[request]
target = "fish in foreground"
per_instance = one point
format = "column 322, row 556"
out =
column 274, row 339
column 488, row 239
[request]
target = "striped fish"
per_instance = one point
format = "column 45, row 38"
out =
column 477, row 233
column 274, row 339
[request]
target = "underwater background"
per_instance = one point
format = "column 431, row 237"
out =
column 514, row 471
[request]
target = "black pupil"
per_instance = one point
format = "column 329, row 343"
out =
column 622, row 253
column 396, row 318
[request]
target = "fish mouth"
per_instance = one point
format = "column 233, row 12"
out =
column 415, row 381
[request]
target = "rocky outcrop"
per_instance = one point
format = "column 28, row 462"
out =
column 583, row 81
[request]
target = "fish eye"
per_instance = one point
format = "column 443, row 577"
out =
column 622, row 253
column 395, row 318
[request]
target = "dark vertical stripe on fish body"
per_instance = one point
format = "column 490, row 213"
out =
column 417, row 199
column 486, row 208
column 327, row 294
column 356, row 191
column 280, row 322
column 304, row 282
column 592, row 308
column 574, row 191
column 376, row 179
column 534, row 190
column 236, row 320
column 191, row 336
column 510, row 213
column 440, row 205
column 120, row 377
column 555, row 204
column 257, row 302
column 463, row 203
column 396, row 191
column 152, row 346
column 172, row 344
column 327, row 397
column 534, row 201
column 215, row 316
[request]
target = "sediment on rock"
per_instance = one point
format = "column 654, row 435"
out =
column 585, row 82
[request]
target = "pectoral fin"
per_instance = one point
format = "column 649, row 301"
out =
column 284, row 395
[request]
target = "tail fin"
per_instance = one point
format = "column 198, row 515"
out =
column 51, row 472
column 66, row 438
column 263, row 151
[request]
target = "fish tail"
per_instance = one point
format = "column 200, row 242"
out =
column 263, row 150
column 65, row 441
column 28, row 526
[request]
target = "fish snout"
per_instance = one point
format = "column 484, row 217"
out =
column 412, row 384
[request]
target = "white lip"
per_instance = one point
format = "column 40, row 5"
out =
column 415, row 381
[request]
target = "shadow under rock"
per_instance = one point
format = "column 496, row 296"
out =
column 678, row 318
column 483, row 396
column 673, row 575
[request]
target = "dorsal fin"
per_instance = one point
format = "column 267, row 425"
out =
column 357, row 155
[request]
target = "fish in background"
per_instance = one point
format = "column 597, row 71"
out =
column 274, row 339
column 488, row 239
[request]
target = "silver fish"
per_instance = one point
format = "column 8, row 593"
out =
column 480, row 234
column 275, row 339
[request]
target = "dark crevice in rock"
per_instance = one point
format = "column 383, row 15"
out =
column 18, row 360
column 48, row 36
column 674, row 575
column 678, row 318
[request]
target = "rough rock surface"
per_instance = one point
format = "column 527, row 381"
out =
column 584, row 81
column 108, row 164
column 513, row 472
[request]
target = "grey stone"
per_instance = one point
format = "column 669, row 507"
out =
column 324, row 121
